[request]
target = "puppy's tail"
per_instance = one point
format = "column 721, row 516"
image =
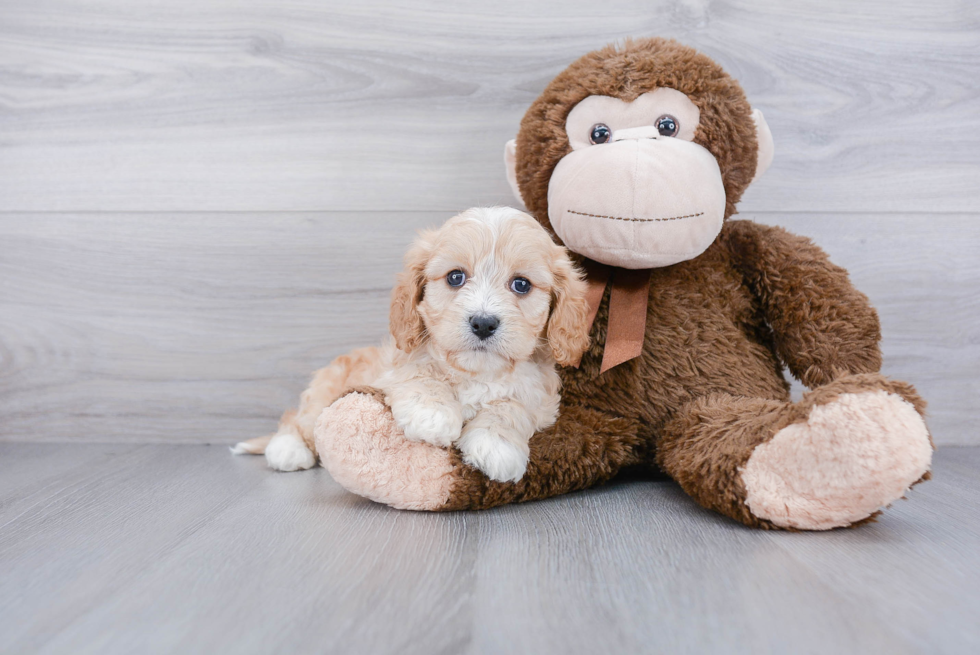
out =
column 360, row 367
column 254, row 446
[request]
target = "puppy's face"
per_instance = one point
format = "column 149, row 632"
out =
column 486, row 289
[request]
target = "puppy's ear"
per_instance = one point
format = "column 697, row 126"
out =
column 568, row 327
column 405, row 321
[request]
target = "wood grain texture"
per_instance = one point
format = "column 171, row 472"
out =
column 376, row 105
column 205, row 327
column 150, row 327
column 162, row 549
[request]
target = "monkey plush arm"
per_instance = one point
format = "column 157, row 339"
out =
column 584, row 447
column 358, row 442
column 822, row 326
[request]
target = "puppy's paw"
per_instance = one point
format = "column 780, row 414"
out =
column 287, row 452
column 436, row 423
column 498, row 458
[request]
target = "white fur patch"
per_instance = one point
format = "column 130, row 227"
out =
column 498, row 458
column 287, row 452
column 423, row 419
column 850, row 458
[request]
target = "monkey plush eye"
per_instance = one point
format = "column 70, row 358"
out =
column 520, row 285
column 456, row 278
column 667, row 125
column 600, row 133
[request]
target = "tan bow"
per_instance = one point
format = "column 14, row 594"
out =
column 627, row 309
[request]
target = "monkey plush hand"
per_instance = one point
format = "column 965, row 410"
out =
column 635, row 157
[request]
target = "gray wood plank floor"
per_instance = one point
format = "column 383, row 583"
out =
column 179, row 548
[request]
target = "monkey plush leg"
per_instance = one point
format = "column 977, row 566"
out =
column 359, row 444
column 844, row 452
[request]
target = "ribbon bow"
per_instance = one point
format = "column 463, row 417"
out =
column 627, row 309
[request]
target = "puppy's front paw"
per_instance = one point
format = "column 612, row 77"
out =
column 437, row 424
column 287, row 452
column 498, row 458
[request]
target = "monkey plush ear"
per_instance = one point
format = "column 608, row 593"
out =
column 510, row 162
column 766, row 147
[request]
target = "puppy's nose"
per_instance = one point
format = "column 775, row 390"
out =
column 484, row 326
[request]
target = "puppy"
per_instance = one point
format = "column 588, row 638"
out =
column 485, row 308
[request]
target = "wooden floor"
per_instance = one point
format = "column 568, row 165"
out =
column 131, row 548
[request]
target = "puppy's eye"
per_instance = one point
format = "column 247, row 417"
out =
column 599, row 133
column 667, row 125
column 520, row 285
column 456, row 278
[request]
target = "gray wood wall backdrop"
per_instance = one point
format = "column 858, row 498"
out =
column 203, row 200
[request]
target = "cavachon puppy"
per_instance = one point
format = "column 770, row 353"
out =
column 485, row 308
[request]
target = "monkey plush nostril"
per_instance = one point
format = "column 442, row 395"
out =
column 484, row 326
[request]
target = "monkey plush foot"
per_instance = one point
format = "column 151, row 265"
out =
column 364, row 451
column 850, row 458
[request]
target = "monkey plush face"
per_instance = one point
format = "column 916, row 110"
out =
column 635, row 155
column 635, row 190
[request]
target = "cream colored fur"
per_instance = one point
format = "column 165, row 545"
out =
column 444, row 385
column 850, row 458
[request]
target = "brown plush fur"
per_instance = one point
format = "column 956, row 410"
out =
column 585, row 447
column 708, row 387
column 714, row 435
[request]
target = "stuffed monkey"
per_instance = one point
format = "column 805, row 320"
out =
column 634, row 158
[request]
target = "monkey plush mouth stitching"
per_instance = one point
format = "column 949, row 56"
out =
column 636, row 220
